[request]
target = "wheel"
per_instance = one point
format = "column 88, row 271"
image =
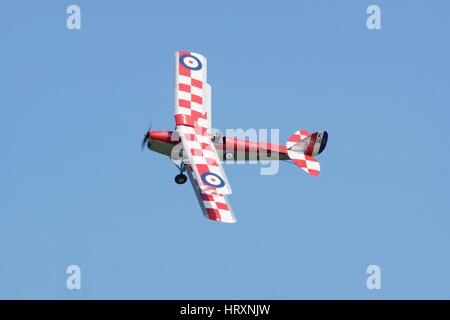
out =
column 180, row 178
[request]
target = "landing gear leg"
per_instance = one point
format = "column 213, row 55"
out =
column 181, row 178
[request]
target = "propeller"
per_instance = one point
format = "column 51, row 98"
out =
column 144, row 141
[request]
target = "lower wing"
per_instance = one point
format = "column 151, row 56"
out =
column 202, row 156
column 215, row 206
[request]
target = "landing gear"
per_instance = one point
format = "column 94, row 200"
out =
column 181, row 178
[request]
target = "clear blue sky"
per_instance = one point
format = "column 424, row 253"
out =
column 76, row 189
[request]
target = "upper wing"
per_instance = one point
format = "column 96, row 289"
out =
column 214, row 206
column 192, row 92
column 202, row 156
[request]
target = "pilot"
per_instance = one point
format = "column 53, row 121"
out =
column 217, row 137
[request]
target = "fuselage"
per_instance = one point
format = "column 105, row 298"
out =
column 228, row 148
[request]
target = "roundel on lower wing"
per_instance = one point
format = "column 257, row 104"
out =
column 190, row 62
column 213, row 180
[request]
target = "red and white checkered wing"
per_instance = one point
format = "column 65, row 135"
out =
column 192, row 92
column 193, row 121
column 214, row 206
column 200, row 153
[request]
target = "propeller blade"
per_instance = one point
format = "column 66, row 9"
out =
column 144, row 141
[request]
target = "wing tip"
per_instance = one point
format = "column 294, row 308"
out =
column 228, row 221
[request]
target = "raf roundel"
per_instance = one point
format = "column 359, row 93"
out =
column 190, row 62
column 212, row 179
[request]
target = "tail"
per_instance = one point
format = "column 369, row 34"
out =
column 303, row 146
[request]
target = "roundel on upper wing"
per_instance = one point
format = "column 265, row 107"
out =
column 213, row 180
column 190, row 62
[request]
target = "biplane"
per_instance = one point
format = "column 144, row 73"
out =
column 199, row 151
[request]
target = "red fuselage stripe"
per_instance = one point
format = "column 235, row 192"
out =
column 235, row 144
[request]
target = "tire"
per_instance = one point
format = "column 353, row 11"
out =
column 180, row 178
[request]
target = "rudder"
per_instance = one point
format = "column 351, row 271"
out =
column 309, row 144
